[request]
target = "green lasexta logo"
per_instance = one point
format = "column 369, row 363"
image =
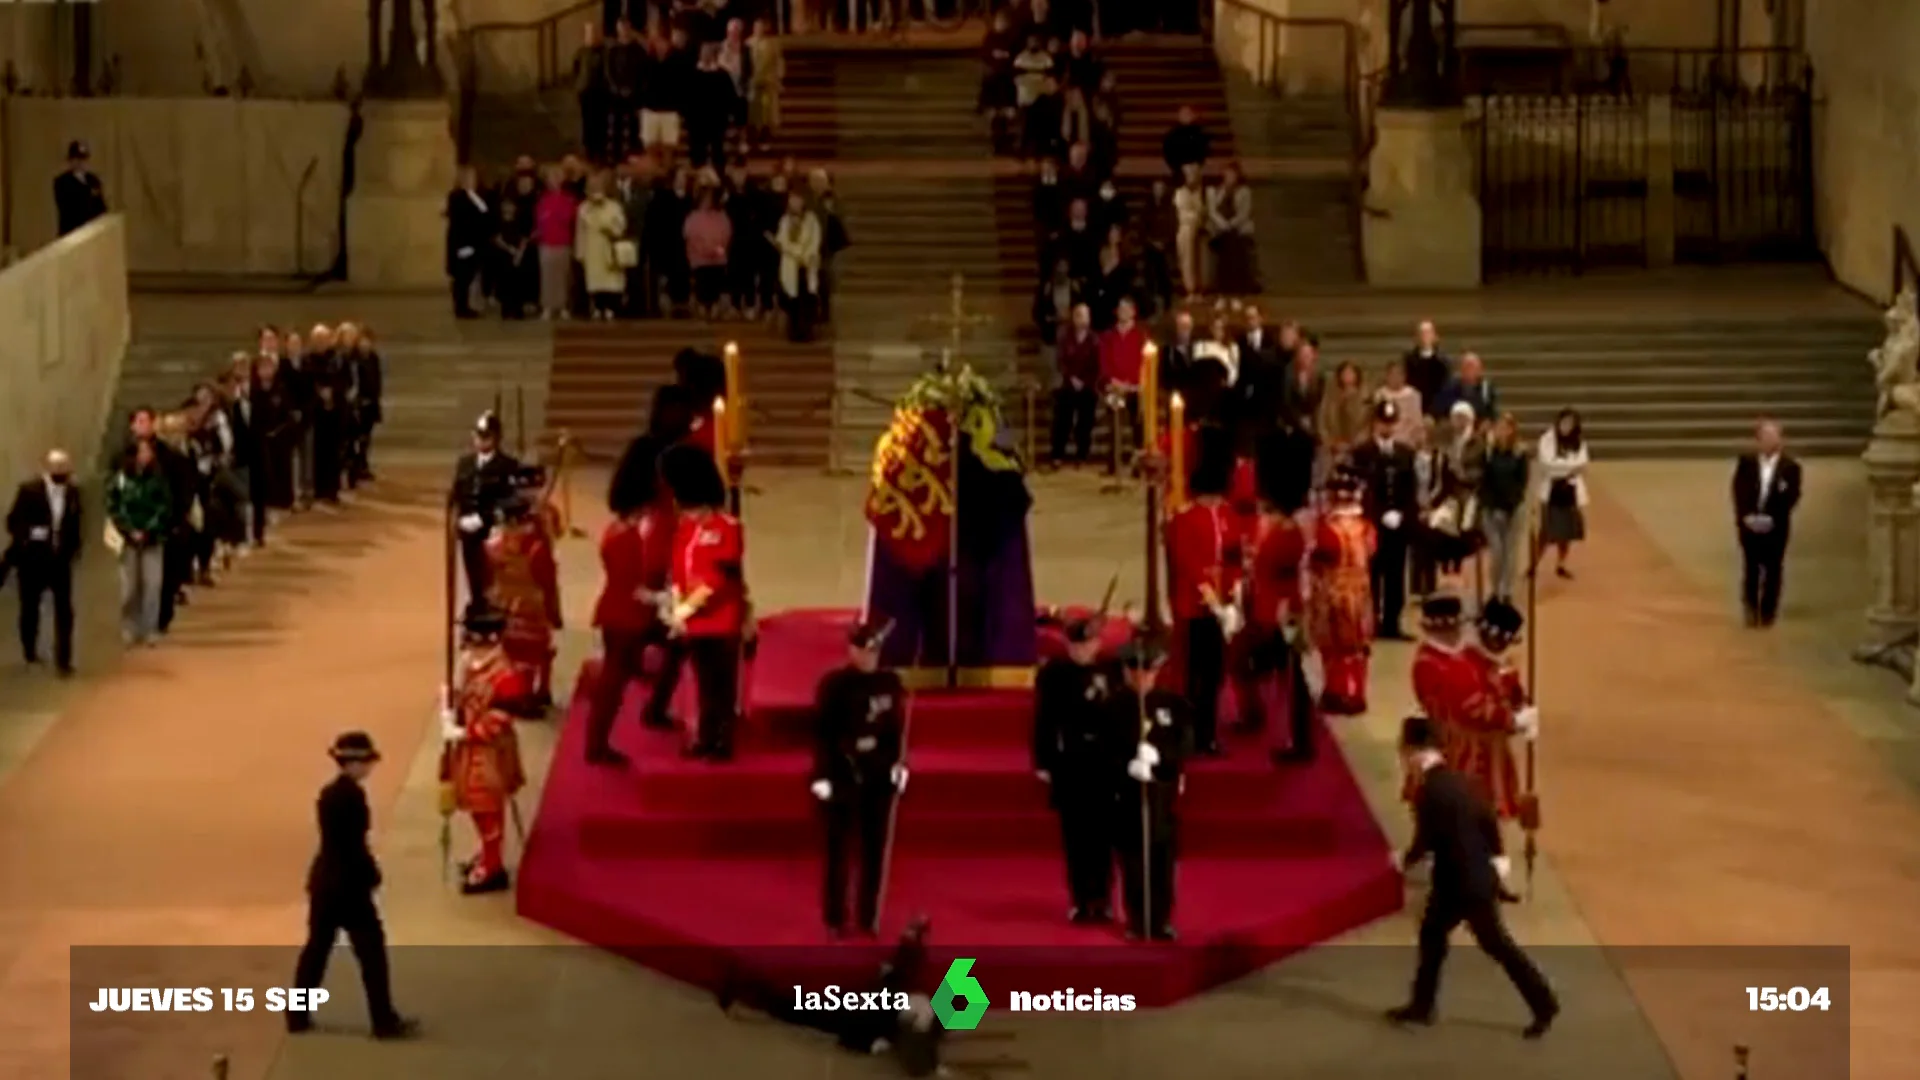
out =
column 960, row 1002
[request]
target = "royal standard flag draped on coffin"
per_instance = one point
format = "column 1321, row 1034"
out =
column 916, row 487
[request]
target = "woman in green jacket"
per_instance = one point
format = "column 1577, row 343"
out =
column 140, row 506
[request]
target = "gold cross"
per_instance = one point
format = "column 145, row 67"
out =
column 956, row 321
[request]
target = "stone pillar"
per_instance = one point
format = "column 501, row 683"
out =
column 1422, row 220
column 1893, row 532
column 404, row 167
column 1663, row 219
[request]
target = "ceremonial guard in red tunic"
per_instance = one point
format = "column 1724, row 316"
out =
column 481, row 760
column 636, row 560
column 1274, row 693
column 1204, row 563
column 707, row 615
column 1446, row 681
column 1481, row 746
column 1340, row 607
column 523, row 586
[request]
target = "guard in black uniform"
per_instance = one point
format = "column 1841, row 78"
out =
column 340, row 887
column 858, row 772
column 484, row 478
column 78, row 195
column 1159, row 725
column 1077, row 750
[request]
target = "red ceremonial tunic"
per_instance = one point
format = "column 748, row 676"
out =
column 635, row 556
column 1203, row 554
column 1340, row 610
column 1482, row 746
column 485, row 765
column 1445, row 683
column 702, row 433
column 1273, row 584
column 708, row 550
column 523, row 583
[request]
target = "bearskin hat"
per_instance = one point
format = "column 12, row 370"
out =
column 693, row 477
column 1501, row 619
column 1212, row 471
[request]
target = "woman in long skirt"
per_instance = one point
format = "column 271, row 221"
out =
column 1563, row 493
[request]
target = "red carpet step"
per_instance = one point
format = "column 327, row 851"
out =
column 699, row 870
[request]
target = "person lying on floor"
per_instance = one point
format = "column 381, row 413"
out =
column 912, row 1034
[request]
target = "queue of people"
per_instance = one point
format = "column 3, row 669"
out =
column 646, row 239
column 692, row 75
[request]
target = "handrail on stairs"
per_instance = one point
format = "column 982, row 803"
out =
column 1359, row 89
column 550, row 67
column 1906, row 266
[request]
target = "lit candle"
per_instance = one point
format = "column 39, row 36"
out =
column 1177, row 452
column 1150, row 395
column 722, row 438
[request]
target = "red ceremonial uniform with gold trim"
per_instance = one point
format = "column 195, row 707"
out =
column 484, row 766
column 1340, row 606
column 709, row 548
column 1273, row 579
column 1445, row 683
column 636, row 556
column 1204, row 551
column 523, row 584
column 1482, row 745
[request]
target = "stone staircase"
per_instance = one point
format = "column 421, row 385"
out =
column 604, row 375
column 1303, row 202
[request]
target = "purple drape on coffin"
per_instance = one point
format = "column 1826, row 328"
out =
column 997, row 624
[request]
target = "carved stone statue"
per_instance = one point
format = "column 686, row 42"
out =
column 407, row 66
column 1896, row 363
column 1423, row 53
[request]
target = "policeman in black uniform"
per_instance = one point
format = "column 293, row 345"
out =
column 78, row 196
column 1158, row 725
column 340, row 887
column 858, row 771
column 1077, row 750
column 484, row 478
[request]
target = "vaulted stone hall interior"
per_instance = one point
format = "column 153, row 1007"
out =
column 833, row 258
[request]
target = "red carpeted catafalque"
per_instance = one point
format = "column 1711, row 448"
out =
column 707, row 871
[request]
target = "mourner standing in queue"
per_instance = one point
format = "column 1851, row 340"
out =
column 78, row 195
column 1766, row 489
column 481, row 756
column 636, row 560
column 1076, row 751
column 340, row 887
column 1275, row 692
column 44, row 537
column 708, row 612
column 858, row 771
column 1385, row 467
column 1150, row 786
column 482, row 480
column 1455, row 827
column 1204, row 552
column 523, row 585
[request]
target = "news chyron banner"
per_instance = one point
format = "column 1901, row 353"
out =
column 990, row 1013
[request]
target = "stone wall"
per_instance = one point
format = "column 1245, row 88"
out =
column 1867, row 133
column 65, row 310
column 206, row 185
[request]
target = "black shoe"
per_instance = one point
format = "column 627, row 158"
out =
column 1541, row 1022
column 836, row 933
column 1563, row 572
column 1166, row 933
column 726, row 995
column 1753, row 618
column 31, row 659
column 1288, row 758
column 398, row 1027
column 65, row 671
column 657, row 723
column 1211, row 749
column 720, row 754
column 1078, row 916
column 1410, row 1015
column 492, row 883
column 607, row 756
column 1099, row 916
column 694, row 752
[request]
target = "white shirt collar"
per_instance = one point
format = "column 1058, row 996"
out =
column 482, row 459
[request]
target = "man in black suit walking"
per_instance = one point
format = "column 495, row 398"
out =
column 43, row 527
column 1766, row 488
column 1454, row 825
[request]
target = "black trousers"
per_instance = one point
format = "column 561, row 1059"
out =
column 327, row 916
column 1206, row 671
column 1388, row 577
column 1272, row 658
column 462, row 274
column 716, row 674
column 1149, row 843
column 1490, row 933
column 622, row 661
column 473, row 560
column 856, row 833
column 1763, row 558
column 1084, row 800
column 176, row 569
column 259, row 494
column 54, row 576
column 1073, row 412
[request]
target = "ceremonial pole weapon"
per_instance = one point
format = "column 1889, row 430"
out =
column 449, row 585
column 893, row 808
column 953, row 543
column 1146, row 830
column 1530, row 796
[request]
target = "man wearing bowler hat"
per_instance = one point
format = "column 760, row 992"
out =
column 1076, row 750
column 340, row 887
column 78, row 196
column 858, row 771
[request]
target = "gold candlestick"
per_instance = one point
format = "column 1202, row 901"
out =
column 736, row 394
column 722, row 437
column 1150, row 395
column 1177, row 453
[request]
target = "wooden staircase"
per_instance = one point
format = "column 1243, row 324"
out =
column 605, row 374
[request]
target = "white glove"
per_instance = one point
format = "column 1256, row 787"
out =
column 1140, row 770
column 1397, row 860
column 1527, row 721
column 822, row 790
column 1501, row 865
column 1315, row 673
column 1145, row 752
column 1045, row 776
column 1391, row 519
column 681, row 613
column 1230, row 620
column 450, row 729
column 899, row 775
column 470, row 523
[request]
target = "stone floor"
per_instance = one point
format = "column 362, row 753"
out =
column 1704, row 785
